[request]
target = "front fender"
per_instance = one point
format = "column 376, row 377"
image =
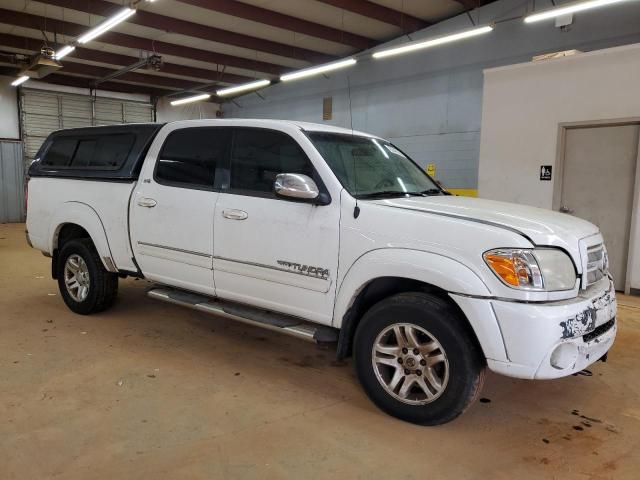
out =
column 438, row 270
column 86, row 217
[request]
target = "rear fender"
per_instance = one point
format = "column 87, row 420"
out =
column 83, row 215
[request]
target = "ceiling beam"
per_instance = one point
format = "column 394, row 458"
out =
column 36, row 22
column 196, row 30
column 471, row 4
column 381, row 13
column 81, row 53
column 80, row 82
column 141, row 78
column 281, row 20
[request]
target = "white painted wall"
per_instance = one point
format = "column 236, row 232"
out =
column 523, row 106
column 9, row 126
column 191, row 111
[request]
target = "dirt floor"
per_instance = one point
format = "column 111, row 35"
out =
column 150, row 390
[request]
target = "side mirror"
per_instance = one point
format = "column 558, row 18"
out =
column 296, row 186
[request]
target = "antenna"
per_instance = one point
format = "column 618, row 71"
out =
column 356, row 210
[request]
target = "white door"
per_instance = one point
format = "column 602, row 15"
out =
column 598, row 181
column 270, row 252
column 172, row 209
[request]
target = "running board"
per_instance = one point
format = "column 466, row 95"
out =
column 252, row 316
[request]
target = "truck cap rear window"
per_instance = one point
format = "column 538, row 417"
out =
column 103, row 152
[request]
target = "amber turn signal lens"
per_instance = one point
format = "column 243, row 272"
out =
column 504, row 267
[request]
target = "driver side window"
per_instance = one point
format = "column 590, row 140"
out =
column 259, row 155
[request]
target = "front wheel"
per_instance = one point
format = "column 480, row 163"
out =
column 85, row 285
column 417, row 360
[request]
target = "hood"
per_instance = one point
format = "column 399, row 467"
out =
column 543, row 227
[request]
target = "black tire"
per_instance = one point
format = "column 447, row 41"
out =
column 466, row 364
column 103, row 285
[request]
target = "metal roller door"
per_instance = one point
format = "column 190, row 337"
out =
column 44, row 111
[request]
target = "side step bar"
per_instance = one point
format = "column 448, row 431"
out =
column 290, row 325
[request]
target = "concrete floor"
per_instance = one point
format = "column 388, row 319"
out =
column 150, row 390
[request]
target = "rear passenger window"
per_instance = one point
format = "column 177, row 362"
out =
column 259, row 155
column 189, row 157
column 60, row 152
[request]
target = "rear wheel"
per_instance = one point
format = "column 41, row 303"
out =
column 417, row 360
column 85, row 285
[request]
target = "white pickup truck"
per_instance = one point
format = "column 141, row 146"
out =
column 329, row 235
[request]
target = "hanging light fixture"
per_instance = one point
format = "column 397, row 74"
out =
column 242, row 88
column 568, row 9
column 411, row 47
column 108, row 24
column 327, row 67
column 195, row 98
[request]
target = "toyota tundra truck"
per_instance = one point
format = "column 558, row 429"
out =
column 329, row 235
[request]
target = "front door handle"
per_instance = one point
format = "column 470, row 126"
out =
column 235, row 214
column 147, row 202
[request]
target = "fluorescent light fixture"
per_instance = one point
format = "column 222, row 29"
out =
column 243, row 88
column 569, row 8
column 328, row 67
column 433, row 42
column 20, row 80
column 195, row 98
column 64, row 51
column 106, row 25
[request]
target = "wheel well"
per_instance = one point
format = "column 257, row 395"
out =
column 68, row 231
column 377, row 290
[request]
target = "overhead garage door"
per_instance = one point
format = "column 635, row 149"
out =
column 45, row 111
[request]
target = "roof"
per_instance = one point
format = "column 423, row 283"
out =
column 275, row 123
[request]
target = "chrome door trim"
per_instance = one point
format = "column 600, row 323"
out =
column 173, row 249
column 271, row 267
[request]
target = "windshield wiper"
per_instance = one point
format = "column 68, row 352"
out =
column 431, row 191
column 387, row 193
column 397, row 193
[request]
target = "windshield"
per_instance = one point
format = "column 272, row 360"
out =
column 371, row 167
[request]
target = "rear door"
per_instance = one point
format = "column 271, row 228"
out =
column 268, row 251
column 173, row 206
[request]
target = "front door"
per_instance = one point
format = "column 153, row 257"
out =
column 173, row 206
column 598, row 182
column 270, row 252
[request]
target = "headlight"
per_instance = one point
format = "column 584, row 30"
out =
column 544, row 269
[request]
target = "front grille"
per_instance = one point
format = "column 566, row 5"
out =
column 595, row 269
column 602, row 329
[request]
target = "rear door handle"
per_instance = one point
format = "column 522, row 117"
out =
column 147, row 202
column 235, row 214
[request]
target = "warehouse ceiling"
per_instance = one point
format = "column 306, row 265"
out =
column 206, row 44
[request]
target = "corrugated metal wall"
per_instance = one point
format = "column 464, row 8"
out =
column 11, row 182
